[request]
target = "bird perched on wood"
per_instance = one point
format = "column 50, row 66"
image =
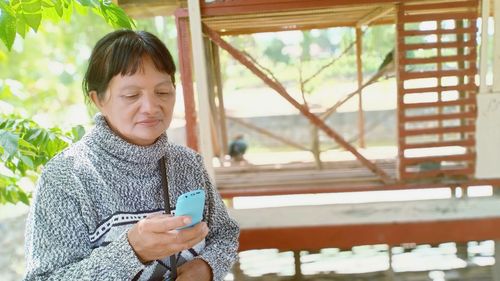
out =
column 388, row 65
column 237, row 148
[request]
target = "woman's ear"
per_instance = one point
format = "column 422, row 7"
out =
column 95, row 99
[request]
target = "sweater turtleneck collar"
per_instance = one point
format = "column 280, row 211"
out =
column 103, row 137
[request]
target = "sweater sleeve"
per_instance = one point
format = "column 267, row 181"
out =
column 57, row 242
column 222, row 241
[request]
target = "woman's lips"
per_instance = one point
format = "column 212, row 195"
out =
column 149, row 122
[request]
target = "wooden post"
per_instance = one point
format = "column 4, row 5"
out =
column 496, row 86
column 239, row 275
column 184, row 47
column 200, row 70
column 389, row 274
column 214, row 117
column 298, row 265
column 496, row 44
column 398, row 54
column 440, row 82
column 361, row 115
column 220, row 98
column 496, row 89
column 483, row 70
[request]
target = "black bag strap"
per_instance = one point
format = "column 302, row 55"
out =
column 160, row 269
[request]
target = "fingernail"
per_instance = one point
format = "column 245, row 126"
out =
column 186, row 220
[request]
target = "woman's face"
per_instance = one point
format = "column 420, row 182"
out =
column 138, row 107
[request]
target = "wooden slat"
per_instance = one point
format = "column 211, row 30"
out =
column 450, row 158
column 439, row 117
column 460, row 102
column 218, row 8
column 438, row 17
column 285, row 189
column 442, row 45
column 437, row 173
column 431, row 131
column 440, row 59
column 466, row 143
column 463, row 87
column 464, row 30
column 347, row 236
column 436, row 74
column 347, row 225
column 434, row 6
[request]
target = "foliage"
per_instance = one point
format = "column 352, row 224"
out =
column 28, row 90
column 19, row 16
column 24, row 148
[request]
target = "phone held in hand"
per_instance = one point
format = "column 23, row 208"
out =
column 191, row 204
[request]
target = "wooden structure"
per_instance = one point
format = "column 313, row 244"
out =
column 445, row 120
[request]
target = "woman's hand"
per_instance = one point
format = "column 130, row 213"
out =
column 196, row 269
column 156, row 237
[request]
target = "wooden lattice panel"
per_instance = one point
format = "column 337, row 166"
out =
column 436, row 89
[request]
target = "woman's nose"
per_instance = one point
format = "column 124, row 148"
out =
column 150, row 103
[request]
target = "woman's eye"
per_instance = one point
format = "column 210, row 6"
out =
column 164, row 93
column 132, row 96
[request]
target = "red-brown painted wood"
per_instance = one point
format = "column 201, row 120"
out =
column 305, row 111
column 350, row 187
column 184, row 47
column 347, row 236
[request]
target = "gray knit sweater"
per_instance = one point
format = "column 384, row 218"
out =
column 90, row 194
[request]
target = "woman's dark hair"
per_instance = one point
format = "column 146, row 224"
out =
column 122, row 52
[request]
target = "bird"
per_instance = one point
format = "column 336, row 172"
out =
column 237, row 148
column 387, row 64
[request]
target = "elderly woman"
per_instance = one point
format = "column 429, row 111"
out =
column 97, row 211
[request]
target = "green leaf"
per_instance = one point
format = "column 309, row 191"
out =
column 22, row 27
column 77, row 132
column 116, row 16
column 68, row 10
column 27, row 161
column 59, row 8
column 9, row 142
column 6, row 93
column 33, row 20
column 24, row 144
column 13, row 194
column 7, row 25
column 23, row 197
column 31, row 6
column 86, row 3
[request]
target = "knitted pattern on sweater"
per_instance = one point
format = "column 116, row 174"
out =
column 91, row 194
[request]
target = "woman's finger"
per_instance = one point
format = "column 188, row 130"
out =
column 163, row 223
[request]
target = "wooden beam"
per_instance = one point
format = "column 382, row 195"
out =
column 219, row 8
column 348, row 236
column 200, row 70
column 287, row 189
column 359, row 66
column 348, row 225
column 496, row 51
column 184, row 51
column 282, row 91
column 220, row 98
column 374, row 15
column 483, row 70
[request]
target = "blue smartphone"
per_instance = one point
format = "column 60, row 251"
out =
column 191, row 204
